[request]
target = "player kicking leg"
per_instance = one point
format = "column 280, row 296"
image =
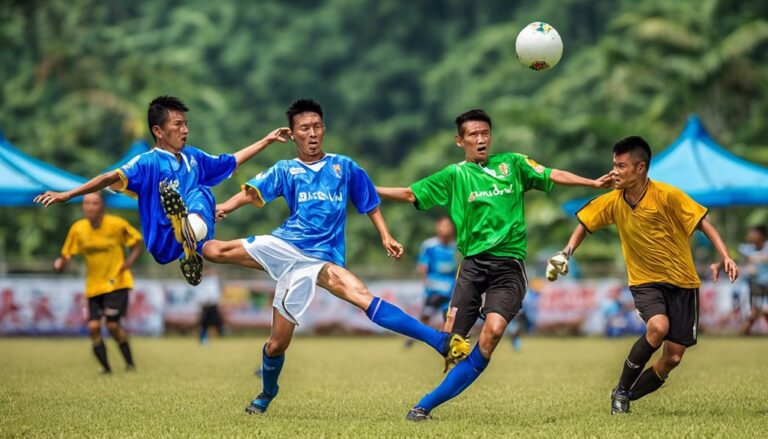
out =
column 485, row 196
column 309, row 247
column 655, row 221
column 172, row 184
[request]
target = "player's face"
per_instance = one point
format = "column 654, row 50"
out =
column 627, row 171
column 308, row 131
column 755, row 237
column 173, row 133
column 93, row 207
column 444, row 230
column 475, row 140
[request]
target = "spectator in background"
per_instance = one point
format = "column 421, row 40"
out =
column 208, row 295
column 437, row 266
column 755, row 254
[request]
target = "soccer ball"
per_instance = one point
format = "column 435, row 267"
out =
column 539, row 46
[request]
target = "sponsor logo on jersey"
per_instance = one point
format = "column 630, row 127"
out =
column 504, row 169
column 337, row 170
column 536, row 167
column 320, row 196
column 496, row 192
column 295, row 171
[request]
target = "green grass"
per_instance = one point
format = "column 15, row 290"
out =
column 363, row 387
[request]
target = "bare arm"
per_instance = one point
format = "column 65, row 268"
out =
column 570, row 179
column 404, row 194
column 714, row 237
column 136, row 250
column 247, row 153
column 394, row 248
column 240, row 199
column 93, row 185
column 60, row 263
column 578, row 235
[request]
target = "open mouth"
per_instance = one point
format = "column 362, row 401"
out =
column 481, row 149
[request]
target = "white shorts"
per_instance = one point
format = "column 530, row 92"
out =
column 295, row 273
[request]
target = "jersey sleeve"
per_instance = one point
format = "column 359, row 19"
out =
column 533, row 175
column 132, row 175
column 423, row 258
column 71, row 245
column 268, row 184
column 131, row 236
column 597, row 213
column 688, row 212
column 361, row 190
column 434, row 190
column 214, row 168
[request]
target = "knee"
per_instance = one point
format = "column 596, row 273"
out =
column 672, row 361
column 275, row 347
column 213, row 251
column 94, row 326
column 656, row 332
column 113, row 327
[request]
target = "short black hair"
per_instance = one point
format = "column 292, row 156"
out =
column 637, row 147
column 303, row 106
column 474, row 114
column 159, row 109
column 763, row 230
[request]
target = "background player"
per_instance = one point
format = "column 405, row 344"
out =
column 309, row 247
column 655, row 221
column 484, row 195
column 755, row 253
column 437, row 266
column 172, row 184
column 102, row 239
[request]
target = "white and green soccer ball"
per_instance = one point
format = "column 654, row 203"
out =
column 539, row 46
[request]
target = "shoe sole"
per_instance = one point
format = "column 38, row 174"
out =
column 176, row 211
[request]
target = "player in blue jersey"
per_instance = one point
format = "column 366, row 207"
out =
column 172, row 183
column 309, row 247
column 437, row 266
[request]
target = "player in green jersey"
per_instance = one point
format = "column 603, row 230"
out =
column 484, row 195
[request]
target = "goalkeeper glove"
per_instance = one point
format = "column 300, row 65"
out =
column 557, row 265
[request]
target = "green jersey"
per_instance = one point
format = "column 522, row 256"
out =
column 486, row 201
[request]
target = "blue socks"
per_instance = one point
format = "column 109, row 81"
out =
column 270, row 371
column 458, row 379
column 393, row 318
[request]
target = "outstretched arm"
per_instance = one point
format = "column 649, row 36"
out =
column 404, row 194
column 714, row 237
column 558, row 264
column 394, row 248
column 93, row 185
column 570, row 179
column 247, row 153
column 240, row 199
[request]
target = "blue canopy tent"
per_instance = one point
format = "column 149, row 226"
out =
column 23, row 177
column 137, row 147
column 707, row 172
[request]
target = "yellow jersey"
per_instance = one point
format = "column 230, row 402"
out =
column 654, row 233
column 104, row 252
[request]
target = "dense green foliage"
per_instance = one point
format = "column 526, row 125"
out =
column 77, row 75
column 363, row 387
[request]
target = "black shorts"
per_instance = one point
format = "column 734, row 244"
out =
column 680, row 305
column 434, row 304
column 487, row 284
column 758, row 295
column 110, row 305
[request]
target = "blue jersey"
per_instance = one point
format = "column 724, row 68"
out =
column 317, row 196
column 440, row 262
column 193, row 175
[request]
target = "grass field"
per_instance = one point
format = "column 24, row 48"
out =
column 363, row 387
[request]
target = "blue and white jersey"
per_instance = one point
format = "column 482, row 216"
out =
column 317, row 196
column 192, row 177
column 440, row 262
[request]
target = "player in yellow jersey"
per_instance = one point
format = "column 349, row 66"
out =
column 655, row 222
column 102, row 239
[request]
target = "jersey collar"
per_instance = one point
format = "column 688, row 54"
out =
column 173, row 156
